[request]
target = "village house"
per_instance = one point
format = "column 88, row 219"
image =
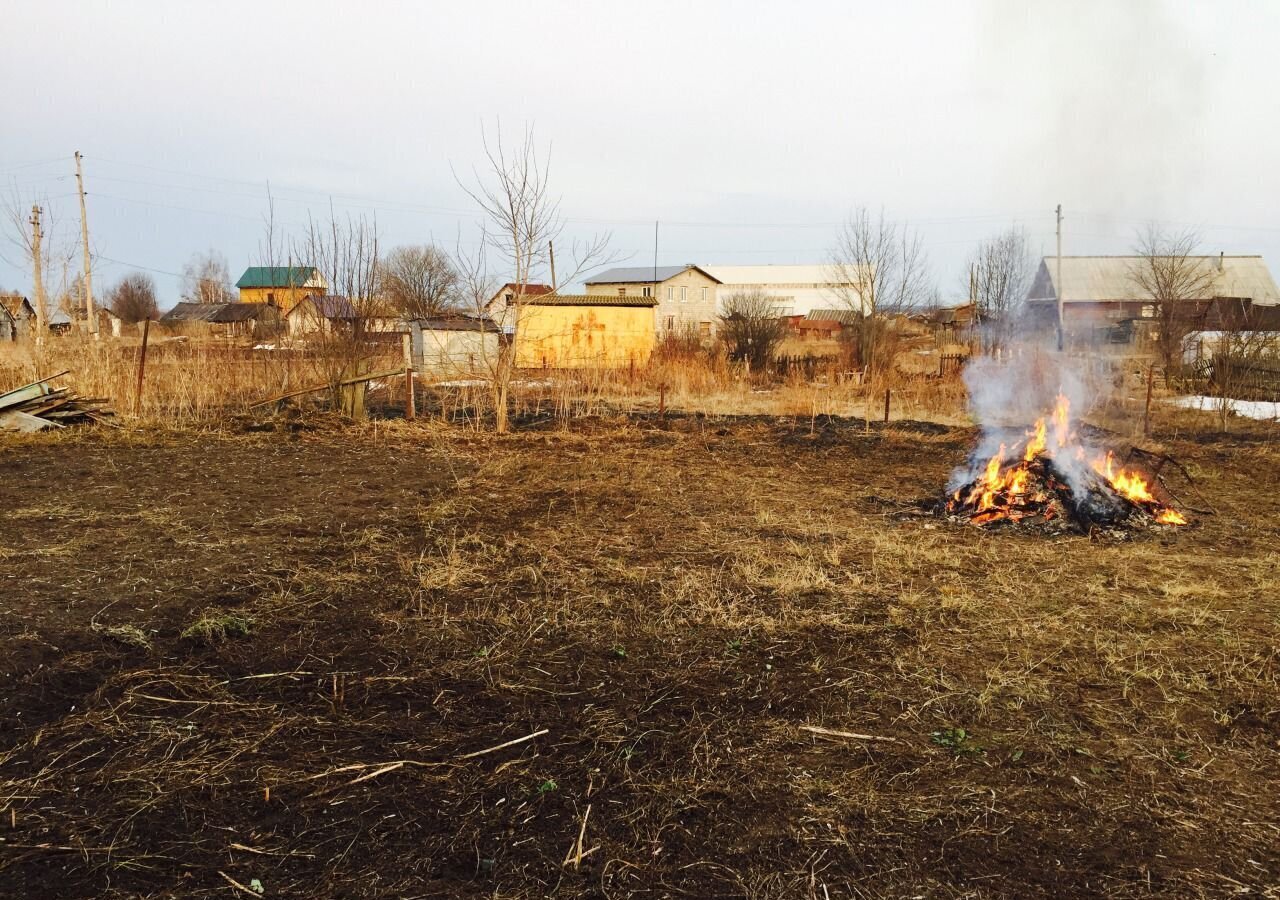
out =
column 326, row 314
column 499, row 305
column 454, row 345
column 560, row 331
column 684, row 297
column 21, row 313
column 795, row 290
column 281, row 286
column 1102, row 299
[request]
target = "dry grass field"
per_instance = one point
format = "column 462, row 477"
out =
column 288, row 657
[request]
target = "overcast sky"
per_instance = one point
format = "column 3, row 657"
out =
column 748, row 129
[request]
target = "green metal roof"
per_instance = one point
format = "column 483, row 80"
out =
column 276, row 276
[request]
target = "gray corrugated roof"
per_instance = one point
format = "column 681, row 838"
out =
column 240, row 312
column 193, row 312
column 330, row 306
column 1099, row 278
column 455, row 323
column 589, row 300
column 643, row 274
column 843, row 316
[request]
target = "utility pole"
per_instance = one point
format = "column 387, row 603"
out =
column 551, row 251
column 39, row 276
column 84, row 239
column 1058, row 279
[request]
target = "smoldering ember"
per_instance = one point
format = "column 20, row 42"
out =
column 822, row 451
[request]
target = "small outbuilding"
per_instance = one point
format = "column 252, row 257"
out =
column 20, row 314
column 565, row 331
column 454, row 345
column 225, row 319
column 59, row 322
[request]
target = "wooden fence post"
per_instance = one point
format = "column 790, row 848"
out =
column 1146, row 414
column 142, row 367
column 886, row 404
column 410, row 400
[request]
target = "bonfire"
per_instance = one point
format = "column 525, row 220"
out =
column 1048, row 477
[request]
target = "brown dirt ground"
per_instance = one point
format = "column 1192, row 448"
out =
column 671, row 603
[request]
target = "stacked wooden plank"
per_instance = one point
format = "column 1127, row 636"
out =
column 37, row 406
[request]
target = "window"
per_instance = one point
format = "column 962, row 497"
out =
column 622, row 292
column 704, row 297
column 704, row 328
column 684, row 295
column 271, row 297
column 671, row 323
column 1148, row 312
column 671, row 293
column 646, row 291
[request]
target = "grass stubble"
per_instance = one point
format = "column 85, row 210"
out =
column 265, row 656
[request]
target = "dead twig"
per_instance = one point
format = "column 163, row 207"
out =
column 247, row 849
column 237, row 885
column 527, row 737
column 848, row 735
column 575, row 854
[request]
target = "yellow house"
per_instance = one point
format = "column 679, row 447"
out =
column 560, row 331
column 684, row 296
column 281, row 286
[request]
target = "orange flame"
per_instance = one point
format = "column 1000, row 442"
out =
column 1062, row 421
column 1002, row 490
column 1126, row 482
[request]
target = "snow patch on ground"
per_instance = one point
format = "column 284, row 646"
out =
column 1250, row 409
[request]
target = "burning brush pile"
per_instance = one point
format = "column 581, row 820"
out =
column 1047, row 477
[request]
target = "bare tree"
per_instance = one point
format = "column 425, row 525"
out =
column 206, row 279
column 522, row 220
column 1000, row 272
column 419, row 281
column 133, row 298
column 751, row 328
column 342, row 337
column 1176, row 281
column 879, row 269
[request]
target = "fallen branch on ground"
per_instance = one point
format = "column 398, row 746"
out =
column 849, row 735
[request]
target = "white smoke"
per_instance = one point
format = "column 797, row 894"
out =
column 1008, row 395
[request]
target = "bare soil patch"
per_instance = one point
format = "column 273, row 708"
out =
column 267, row 657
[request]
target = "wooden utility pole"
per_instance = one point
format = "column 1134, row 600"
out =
column 84, row 239
column 142, row 366
column 1058, row 279
column 551, row 252
column 36, row 260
